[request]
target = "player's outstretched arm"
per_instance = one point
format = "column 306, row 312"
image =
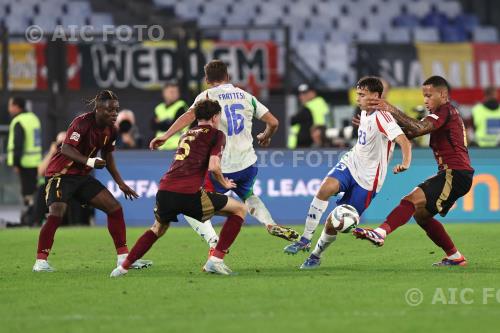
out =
column 215, row 169
column 412, row 127
column 405, row 145
column 73, row 154
column 183, row 121
column 113, row 171
column 264, row 138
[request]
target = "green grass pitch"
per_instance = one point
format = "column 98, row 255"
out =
column 359, row 288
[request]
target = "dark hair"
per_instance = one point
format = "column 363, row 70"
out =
column 490, row 92
column 19, row 101
column 372, row 84
column 216, row 71
column 171, row 84
column 437, row 82
column 101, row 97
column 206, row 109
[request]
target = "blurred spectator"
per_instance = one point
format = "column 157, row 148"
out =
column 318, row 137
column 486, row 118
column 128, row 132
column 313, row 112
column 24, row 151
column 168, row 112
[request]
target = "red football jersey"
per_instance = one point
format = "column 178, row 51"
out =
column 187, row 172
column 84, row 135
column 448, row 139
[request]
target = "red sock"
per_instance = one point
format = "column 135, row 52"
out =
column 436, row 232
column 46, row 238
column 228, row 234
column 140, row 248
column 399, row 216
column 116, row 227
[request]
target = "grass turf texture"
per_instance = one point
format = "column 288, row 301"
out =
column 358, row 287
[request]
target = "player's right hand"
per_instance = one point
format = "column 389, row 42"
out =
column 228, row 183
column 156, row 143
column 356, row 120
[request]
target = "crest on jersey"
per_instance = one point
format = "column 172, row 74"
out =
column 75, row 136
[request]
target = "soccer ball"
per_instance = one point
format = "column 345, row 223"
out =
column 344, row 218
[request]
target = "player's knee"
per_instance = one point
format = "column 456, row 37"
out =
column 328, row 188
column 57, row 209
column 113, row 206
column 241, row 210
column 159, row 229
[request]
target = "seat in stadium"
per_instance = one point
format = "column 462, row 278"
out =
column 341, row 36
column 430, row 35
column 418, row 8
column 78, row 8
column 406, row 20
column 187, row 11
column 259, row 34
column 165, row 3
column 485, row 34
column 16, row 24
column 453, row 34
column 450, row 8
column 232, row 34
column 397, row 35
column 98, row 20
column 310, row 54
column 369, row 36
column 49, row 9
column 329, row 9
column 47, row 23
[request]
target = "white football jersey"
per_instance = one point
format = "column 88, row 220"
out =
column 368, row 159
column 238, row 110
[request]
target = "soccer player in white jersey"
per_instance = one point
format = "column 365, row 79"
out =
column 239, row 158
column 359, row 174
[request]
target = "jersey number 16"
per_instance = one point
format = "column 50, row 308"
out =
column 235, row 121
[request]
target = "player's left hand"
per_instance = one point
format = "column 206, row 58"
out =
column 228, row 183
column 129, row 193
column 262, row 140
column 399, row 168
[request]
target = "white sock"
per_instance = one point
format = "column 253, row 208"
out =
column 205, row 230
column 257, row 209
column 456, row 255
column 323, row 243
column 122, row 257
column 316, row 210
column 216, row 259
column 381, row 232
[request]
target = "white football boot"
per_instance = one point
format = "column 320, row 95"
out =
column 217, row 266
column 42, row 266
column 138, row 264
column 118, row 271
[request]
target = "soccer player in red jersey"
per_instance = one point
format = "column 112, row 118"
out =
column 438, row 193
column 68, row 176
column 181, row 192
